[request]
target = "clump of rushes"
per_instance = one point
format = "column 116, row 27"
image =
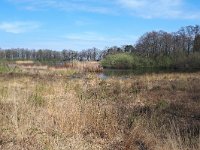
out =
column 36, row 98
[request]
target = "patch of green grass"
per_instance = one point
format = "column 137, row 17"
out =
column 162, row 104
column 3, row 92
column 37, row 100
column 4, row 68
column 36, row 97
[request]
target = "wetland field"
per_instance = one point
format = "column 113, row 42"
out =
column 50, row 108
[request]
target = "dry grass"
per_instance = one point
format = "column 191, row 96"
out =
column 86, row 66
column 24, row 62
column 74, row 68
column 147, row 112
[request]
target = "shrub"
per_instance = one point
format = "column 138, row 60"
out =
column 132, row 61
column 118, row 61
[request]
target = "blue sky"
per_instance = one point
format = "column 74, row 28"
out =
column 82, row 24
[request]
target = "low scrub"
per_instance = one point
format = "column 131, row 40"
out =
column 118, row 61
column 132, row 61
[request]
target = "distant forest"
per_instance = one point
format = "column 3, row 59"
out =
column 185, row 41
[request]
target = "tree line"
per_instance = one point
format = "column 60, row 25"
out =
column 47, row 54
column 185, row 41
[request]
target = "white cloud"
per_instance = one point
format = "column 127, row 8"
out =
column 75, row 41
column 94, row 39
column 18, row 27
column 141, row 8
column 133, row 3
column 67, row 5
column 159, row 9
column 85, row 36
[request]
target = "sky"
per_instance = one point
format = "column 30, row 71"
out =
column 82, row 24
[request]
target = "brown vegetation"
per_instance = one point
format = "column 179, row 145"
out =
column 147, row 112
column 85, row 66
column 27, row 62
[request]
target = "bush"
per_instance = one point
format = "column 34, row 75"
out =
column 132, row 61
column 118, row 61
column 127, row 61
